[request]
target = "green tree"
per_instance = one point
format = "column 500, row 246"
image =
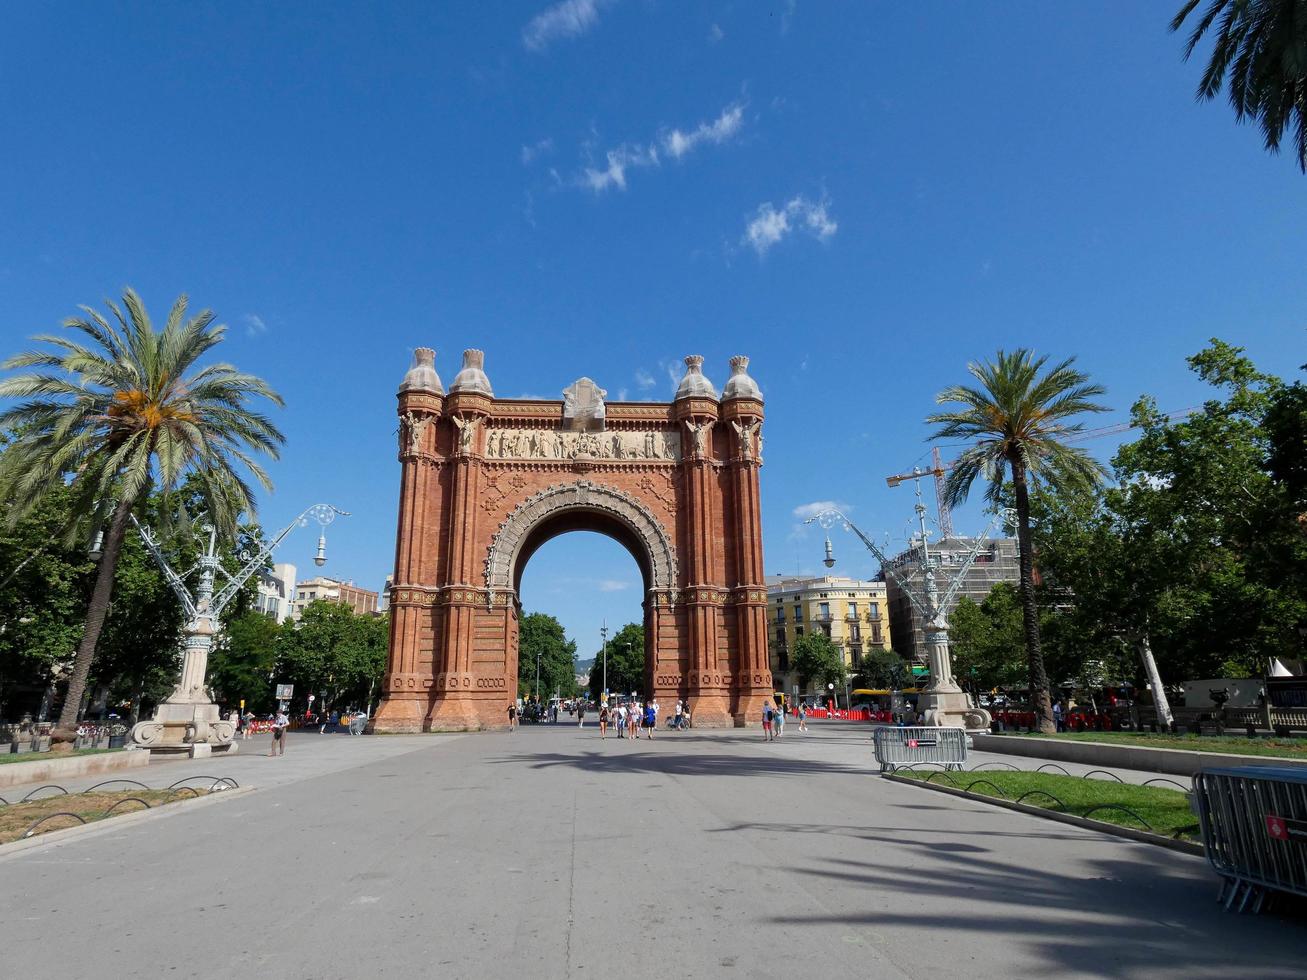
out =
column 1206, row 531
column 987, row 640
column 119, row 410
column 541, row 637
column 626, row 663
column 333, row 653
column 883, row 669
column 1261, row 45
column 817, row 660
column 243, row 660
column 1020, row 417
column 42, row 597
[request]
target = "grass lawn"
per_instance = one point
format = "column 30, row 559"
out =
column 1165, row 810
column 17, row 817
column 47, row 756
column 1291, row 748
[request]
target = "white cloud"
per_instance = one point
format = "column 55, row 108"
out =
column 770, row 225
column 675, row 371
column 644, row 379
column 568, row 18
column 715, row 33
column 805, row 511
column 677, row 143
column 621, row 395
column 537, row 149
column 620, row 160
column 254, row 324
column 612, row 585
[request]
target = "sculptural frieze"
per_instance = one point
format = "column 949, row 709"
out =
column 559, row 444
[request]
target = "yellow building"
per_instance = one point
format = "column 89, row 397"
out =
column 854, row 614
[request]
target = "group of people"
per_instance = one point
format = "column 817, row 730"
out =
column 773, row 719
column 630, row 720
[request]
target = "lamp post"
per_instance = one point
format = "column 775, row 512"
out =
column 603, row 633
column 943, row 703
column 188, row 720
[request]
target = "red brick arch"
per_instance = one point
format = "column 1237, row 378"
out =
column 486, row 481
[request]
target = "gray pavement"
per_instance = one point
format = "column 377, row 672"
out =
column 551, row 853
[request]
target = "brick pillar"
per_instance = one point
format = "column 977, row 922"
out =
column 455, row 704
column 752, row 669
column 708, row 686
column 406, row 687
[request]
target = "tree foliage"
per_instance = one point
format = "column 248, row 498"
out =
column 116, row 409
column 333, row 653
column 816, row 659
column 1260, row 49
column 1197, row 546
column 883, row 670
column 626, row 663
column 988, row 640
column 243, row 662
column 1018, row 417
column 541, row 636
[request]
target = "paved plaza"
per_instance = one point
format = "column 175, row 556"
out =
column 549, row 853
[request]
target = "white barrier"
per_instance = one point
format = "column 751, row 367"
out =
column 897, row 746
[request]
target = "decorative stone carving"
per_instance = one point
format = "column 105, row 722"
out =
column 660, row 492
column 582, row 495
column 583, row 406
column 699, row 432
column 558, row 444
column 467, row 431
column 410, row 430
column 749, row 435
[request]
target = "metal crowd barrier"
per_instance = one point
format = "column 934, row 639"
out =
column 1254, row 822
column 897, row 746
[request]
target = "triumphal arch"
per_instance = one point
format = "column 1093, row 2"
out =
column 486, row 481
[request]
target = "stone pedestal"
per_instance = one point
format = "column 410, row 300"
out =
column 952, row 709
column 189, row 718
column 182, row 729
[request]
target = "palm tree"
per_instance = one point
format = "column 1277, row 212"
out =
column 122, row 410
column 1019, row 415
column 1262, row 46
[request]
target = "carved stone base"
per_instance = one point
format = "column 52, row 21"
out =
column 952, row 709
column 179, row 728
column 466, row 714
column 399, row 716
column 748, row 709
column 711, row 710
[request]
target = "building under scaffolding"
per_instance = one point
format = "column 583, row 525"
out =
column 996, row 562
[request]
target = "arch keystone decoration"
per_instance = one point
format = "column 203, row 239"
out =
column 484, row 481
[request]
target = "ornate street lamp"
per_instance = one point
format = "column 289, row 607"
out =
column 188, row 720
column 943, row 702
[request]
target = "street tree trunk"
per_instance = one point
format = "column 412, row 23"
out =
column 96, row 612
column 1039, row 696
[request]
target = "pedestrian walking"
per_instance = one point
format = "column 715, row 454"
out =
column 512, row 716
column 766, row 721
column 603, row 720
column 621, row 721
column 650, row 718
column 1059, row 721
column 803, row 717
column 778, row 721
column 580, row 714
column 279, row 726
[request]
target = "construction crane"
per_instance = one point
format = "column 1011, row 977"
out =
column 938, row 468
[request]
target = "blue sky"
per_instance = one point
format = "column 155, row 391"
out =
column 861, row 196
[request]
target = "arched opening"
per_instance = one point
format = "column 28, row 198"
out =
column 576, row 578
